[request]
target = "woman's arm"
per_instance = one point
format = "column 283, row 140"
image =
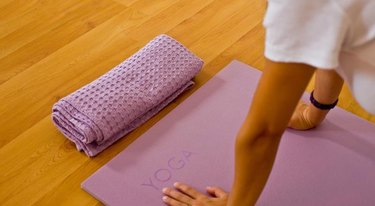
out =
column 327, row 88
column 276, row 97
column 277, row 94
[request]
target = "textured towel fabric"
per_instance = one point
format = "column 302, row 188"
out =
column 98, row 114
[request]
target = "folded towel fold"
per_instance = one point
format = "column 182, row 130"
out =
column 100, row 113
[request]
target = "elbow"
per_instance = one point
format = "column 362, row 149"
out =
column 256, row 136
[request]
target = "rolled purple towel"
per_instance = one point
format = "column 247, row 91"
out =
column 100, row 113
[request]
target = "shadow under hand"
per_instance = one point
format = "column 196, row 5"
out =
column 356, row 136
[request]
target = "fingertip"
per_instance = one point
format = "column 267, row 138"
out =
column 210, row 190
column 176, row 184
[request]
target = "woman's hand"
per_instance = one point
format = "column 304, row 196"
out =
column 185, row 195
column 327, row 88
column 301, row 120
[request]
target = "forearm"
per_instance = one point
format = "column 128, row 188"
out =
column 275, row 99
column 255, row 155
column 327, row 88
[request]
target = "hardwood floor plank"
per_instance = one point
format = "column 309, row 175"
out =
column 15, row 18
column 26, row 173
column 71, row 187
column 11, row 9
column 4, row 3
column 145, row 7
column 167, row 19
column 203, row 22
column 25, row 28
column 221, row 37
column 73, row 25
column 126, row 2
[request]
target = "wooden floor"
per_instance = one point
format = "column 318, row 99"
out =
column 49, row 48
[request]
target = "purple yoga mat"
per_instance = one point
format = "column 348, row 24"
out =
column 331, row 165
column 100, row 113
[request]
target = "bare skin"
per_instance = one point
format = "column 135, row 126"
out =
column 328, row 85
column 280, row 88
column 186, row 195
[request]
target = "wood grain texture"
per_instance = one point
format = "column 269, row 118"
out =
column 49, row 49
